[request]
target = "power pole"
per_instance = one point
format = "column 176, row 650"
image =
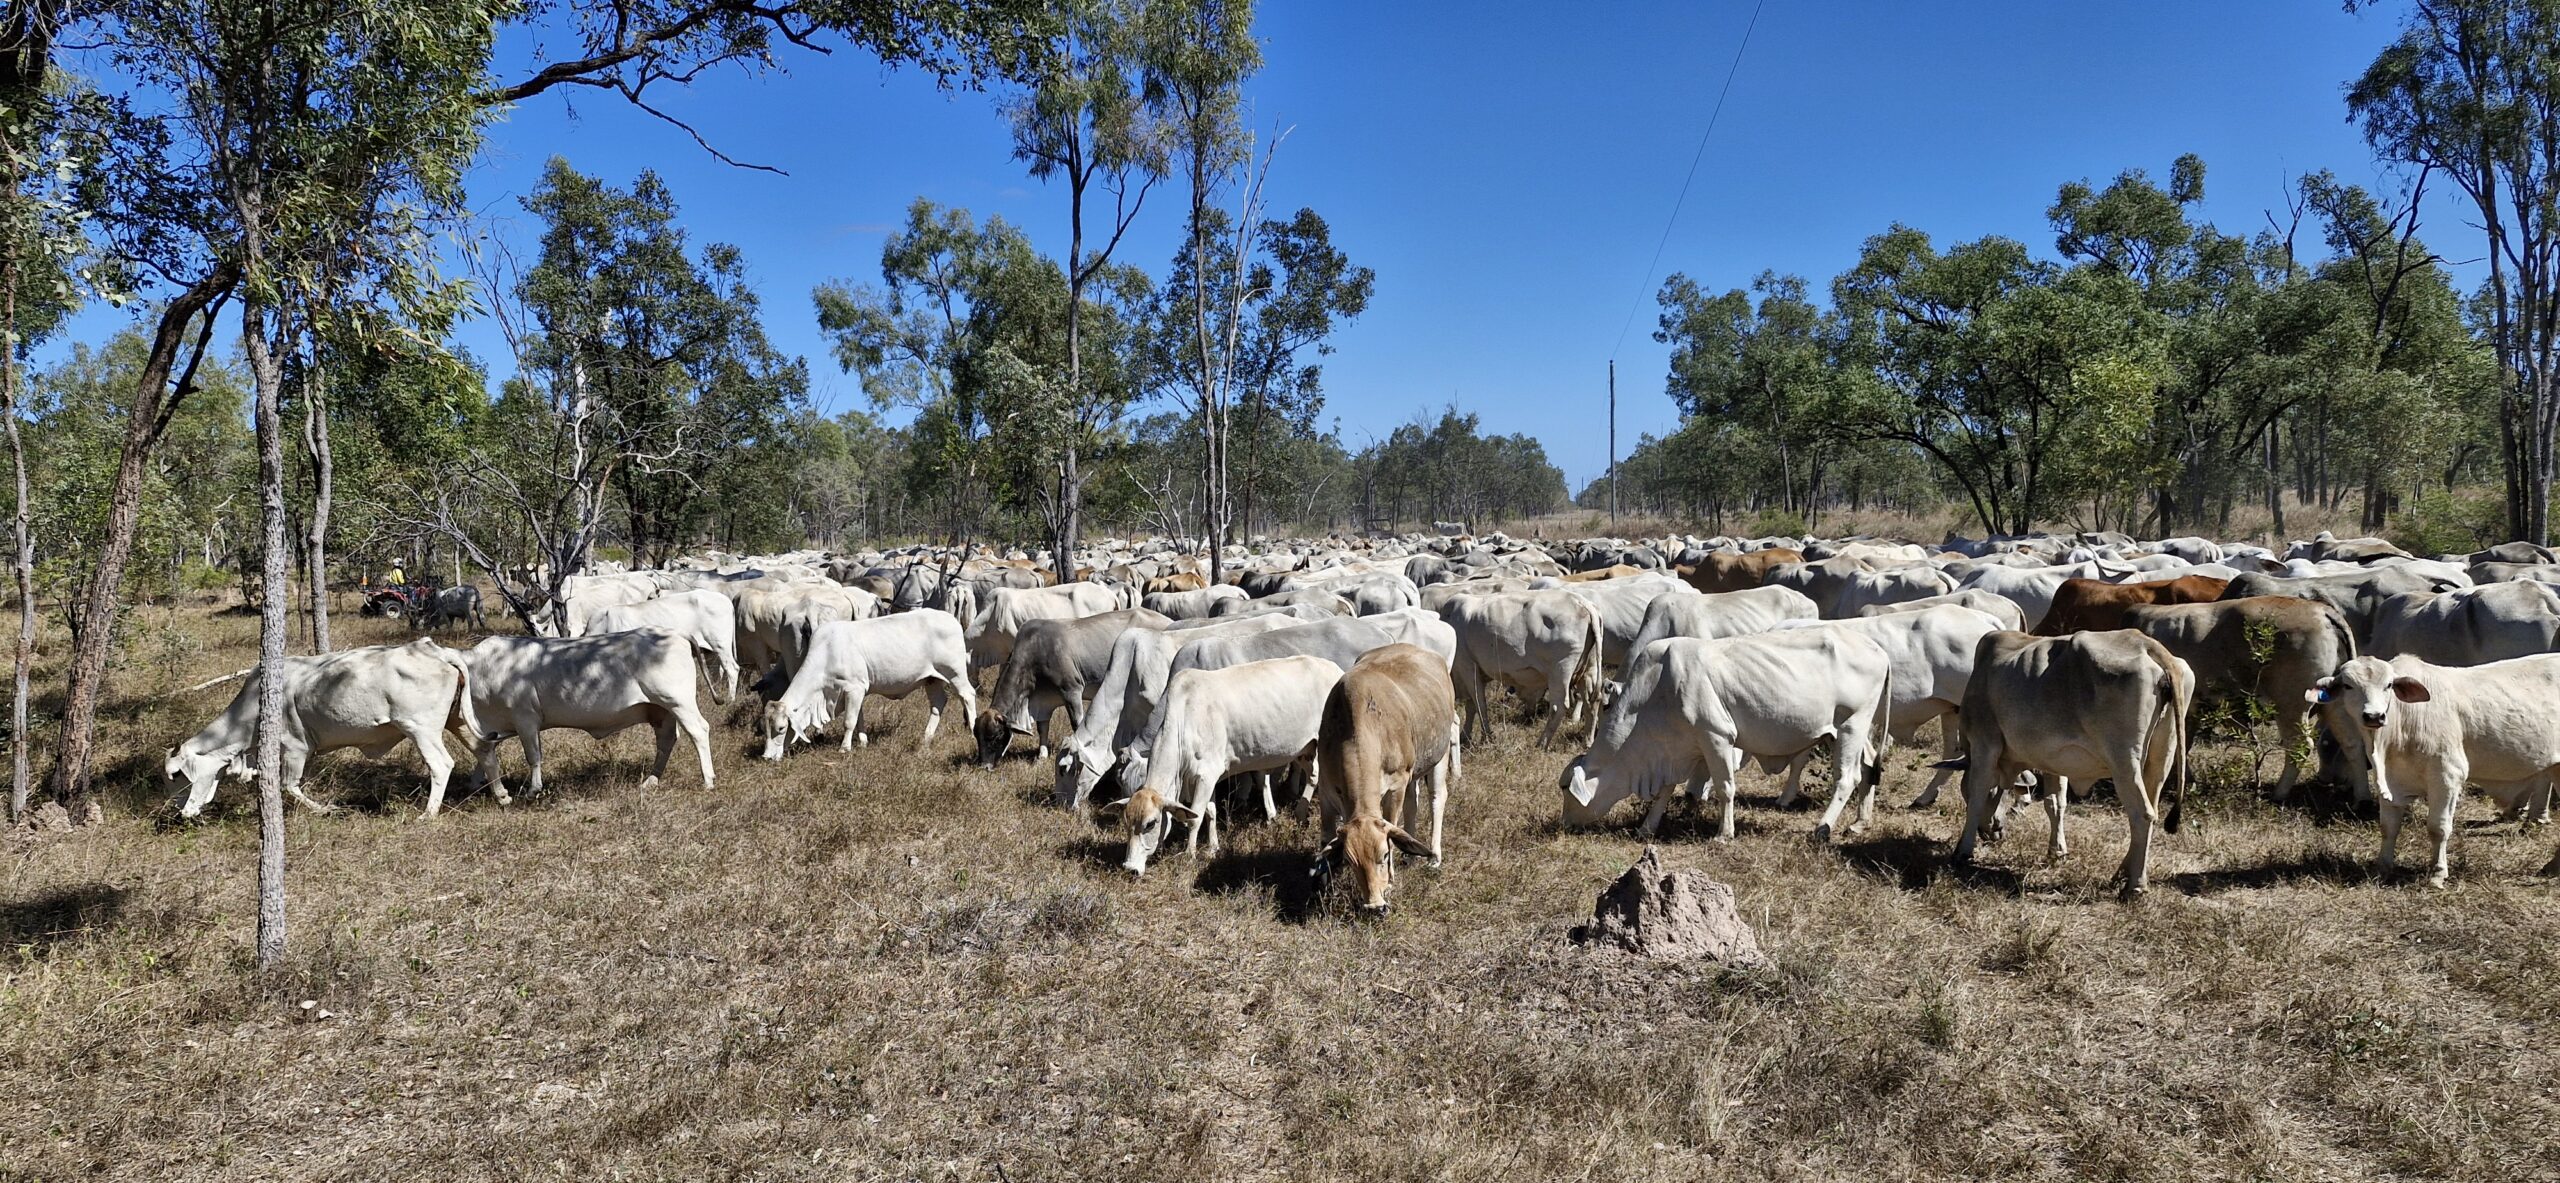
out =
column 1613, row 445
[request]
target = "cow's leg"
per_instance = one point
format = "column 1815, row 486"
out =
column 1983, row 776
column 1848, row 776
column 1191, row 790
column 698, row 732
column 1950, row 746
column 1270, row 807
column 289, row 771
column 487, row 772
column 936, row 696
column 2137, row 798
column 1728, row 778
column 2057, row 804
column 855, row 694
column 663, row 726
column 1439, row 802
column 2444, row 798
column 1794, row 791
column 1559, row 698
column 2291, row 733
column 529, row 733
column 439, row 764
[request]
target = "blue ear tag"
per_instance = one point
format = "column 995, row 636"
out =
column 2324, row 696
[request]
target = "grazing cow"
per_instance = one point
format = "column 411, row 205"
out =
column 1195, row 604
column 2356, row 594
column 1721, row 572
column 459, row 604
column 1006, row 610
column 1693, row 708
column 1258, row 717
column 2273, row 648
column 1820, row 579
column 1932, row 652
column 1998, row 607
column 600, row 684
column 1381, row 593
column 774, row 624
column 1179, row 581
column 369, row 699
column 1056, row 664
column 1125, row 700
column 2087, row 706
column 2472, row 626
column 850, row 660
column 1721, row 614
column 2090, row 605
column 582, row 596
column 1534, row 642
column 1604, row 574
column 1423, row 570
column 1389, row 726
column 706, row 619
column 2521, row 553
column 2420, row 731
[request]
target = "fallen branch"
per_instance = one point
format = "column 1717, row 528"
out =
column 210, row 683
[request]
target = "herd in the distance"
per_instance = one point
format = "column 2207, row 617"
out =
column 1352, row 672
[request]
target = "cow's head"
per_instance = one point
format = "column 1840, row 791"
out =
column 1365, row 846
column 2363, row 692
column 1148, row 817
column 1080, row 774
column 202, row 770
column 1587, row 798
column 993, row 734
column 787, row 723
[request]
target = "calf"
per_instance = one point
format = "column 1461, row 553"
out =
column 1388, row 726
column 369, row 699
column 891, row 656
column 1258, row 717
column 459, row 604
column 2421, row 730
column 600, row 684
column 1125, row 701
column 2089, row 706
column 1692, row 709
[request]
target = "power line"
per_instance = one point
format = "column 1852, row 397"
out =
column 1694, row 158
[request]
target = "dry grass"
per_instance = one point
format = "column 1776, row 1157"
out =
column 886, row 966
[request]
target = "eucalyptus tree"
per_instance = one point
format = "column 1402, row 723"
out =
column 1083, row 119
column 293, row 109
column 2471, row 90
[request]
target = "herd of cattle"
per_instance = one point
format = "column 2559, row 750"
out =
column 1353, row 672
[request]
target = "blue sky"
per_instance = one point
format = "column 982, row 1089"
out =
column 1508, row 170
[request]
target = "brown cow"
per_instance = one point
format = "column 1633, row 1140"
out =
column 2094, row 605
column 1724, row 572
column 1389, row 726
column 1604, row 574
column 1179, row 581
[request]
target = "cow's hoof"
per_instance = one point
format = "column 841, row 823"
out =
column 648, row 783
column 2551, row 869
column 1921, row 803
column 1822, row 834
column 2133, row 892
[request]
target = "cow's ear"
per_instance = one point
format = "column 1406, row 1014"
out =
column 2410, row 690
column 1408, row 843
column 1326, row 856
column 1180, row 810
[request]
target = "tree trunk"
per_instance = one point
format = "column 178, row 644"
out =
column 315, row 437
column 26, row 544
column 267, row 375
column 93, row 635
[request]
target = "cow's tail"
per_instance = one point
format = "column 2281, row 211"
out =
column 1879, row 732
column 461, row 716
column 2179, row 692
column 1588, row 676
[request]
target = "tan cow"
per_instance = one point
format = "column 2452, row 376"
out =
column 1721, row 572
column 1389, row 725
column 2094, row 605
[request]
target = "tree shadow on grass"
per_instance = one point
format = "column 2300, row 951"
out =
column 2325, row 867
column 49, row 918
column 1914, row 861
column 1286, row 875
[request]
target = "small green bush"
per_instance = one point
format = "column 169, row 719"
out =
column 1777, row 521
column 2439, row 523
